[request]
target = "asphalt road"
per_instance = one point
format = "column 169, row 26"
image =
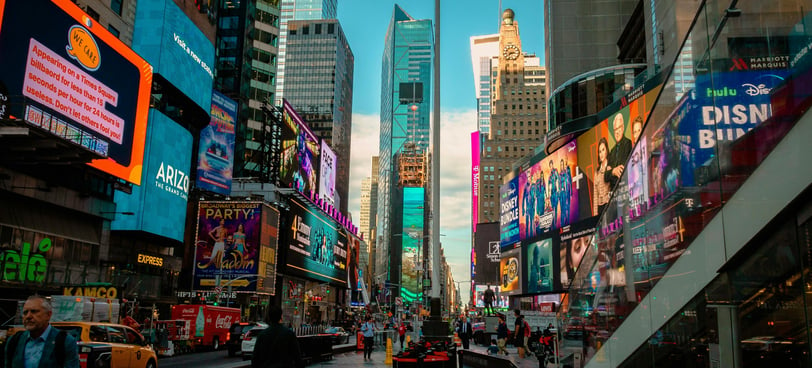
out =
column 203, row 360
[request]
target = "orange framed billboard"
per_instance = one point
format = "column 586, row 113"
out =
column 66, row 71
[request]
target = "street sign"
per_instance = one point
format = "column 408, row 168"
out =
column 218, row 290
column 399, row 301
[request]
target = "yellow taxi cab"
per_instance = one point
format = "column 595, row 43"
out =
column 129, row 348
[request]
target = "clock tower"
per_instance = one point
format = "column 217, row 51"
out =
column 511, row 59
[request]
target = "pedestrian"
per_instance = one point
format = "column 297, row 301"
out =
column 464, row 331
column 368, row 328
column 276, row 345
column 33, row 347
column 502, row 335
column 402, row 333
column 521, row 333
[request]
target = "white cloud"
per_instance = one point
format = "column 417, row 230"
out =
column 455, row 182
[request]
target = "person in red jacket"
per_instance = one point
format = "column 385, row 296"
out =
column 402, row 334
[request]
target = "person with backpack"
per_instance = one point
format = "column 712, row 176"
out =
column 41, row 345
column 368, row 329
column 521, row 333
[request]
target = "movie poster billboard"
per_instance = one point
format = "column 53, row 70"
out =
column 80, row 82
column 215, row 155
column 412, row 243
column 571, row 252
column 300, row 152
column 327, row 174
column 540, row 270
column 475, row 157
column 316, row 245
column 354, row 271
column 509, row 212
column 548, row 193
column 510, row 271
column 487, row 250
column 227, row 245
column 500, row 300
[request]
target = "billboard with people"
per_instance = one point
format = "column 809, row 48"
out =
column 316, row 245
column 215, row 155
column 300, row 152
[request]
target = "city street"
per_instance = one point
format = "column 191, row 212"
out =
column 203, row 360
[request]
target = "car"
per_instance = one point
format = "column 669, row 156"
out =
column 249, row 339
column 235, row 335
column 337, row 335
column 129, row 348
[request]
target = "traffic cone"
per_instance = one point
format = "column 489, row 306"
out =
column 388, row 360
column 457, row 340
column 408, row 339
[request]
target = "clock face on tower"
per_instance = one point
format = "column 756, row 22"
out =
column 510, row 52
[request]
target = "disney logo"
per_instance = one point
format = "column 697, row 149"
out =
column 755, row 90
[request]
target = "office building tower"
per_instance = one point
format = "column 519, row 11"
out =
column 247, row 39
column 319, row 85
column 484, row 57
column 297, row 10
column 518, row 115
column 406, row 79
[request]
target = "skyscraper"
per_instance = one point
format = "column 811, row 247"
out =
column 406, row 79
column 297, row 10
column 484, row 57
column 518, row 114
column 369, row 212
column 319, row 86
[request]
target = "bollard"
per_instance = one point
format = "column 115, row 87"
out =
column 388, row 360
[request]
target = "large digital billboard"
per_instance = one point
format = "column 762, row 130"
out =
column 268, row 251
column 412, row 243
column 228, row 245
column 548, row 193
column 509, row 212
column 215, row 155
column 300, row 152
column 475, row 152
column 316, row 245
column 354, row 271
column 500, row 300
column 487, row 251
column 540, row 268
column 159, row 205
column 510, row 271
column 176, row 48
column 327, row 174
column 76, row 77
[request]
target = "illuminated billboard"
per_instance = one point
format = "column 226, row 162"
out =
column 268, row 251
column 227, row 245
column 571, row 252
column 412, row 243
column 78, row 80
column 475, row 152
column 509, row 212
column 215, row 155
column 327, row 174
column 540, row 270
column 510, row 271
column 487, row 253
column 316, row 245
column 500, row 300
column 159, row 205
column 176, row 48
column 548, row 193
column 300, row 152
column 354, row 271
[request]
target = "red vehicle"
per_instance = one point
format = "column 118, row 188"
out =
column 208, row 325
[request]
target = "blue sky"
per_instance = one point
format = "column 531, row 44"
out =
column 365, row 23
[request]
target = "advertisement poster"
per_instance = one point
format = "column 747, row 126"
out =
column 548, row 193
column 510, row 270
column 216, row 150
column 316, row 246
column 412, row 243
column 300, row 152
column 540, row 266
column 354, row 271
column 80, row 82
column 637, row 180
column 227, row 245
column 327, row 174
column 509, row 212
column 572, row 251
column 268, row 252
column 499, row 301
column 475, row 152
column 487, row 250
column 177, row 49
column 166, row 182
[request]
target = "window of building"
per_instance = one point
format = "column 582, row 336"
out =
column 113, row 30
column 318, row 29
column 292, row 32
column 116, row 6
column 331, row 28
column 306, row 30
column 92, row 13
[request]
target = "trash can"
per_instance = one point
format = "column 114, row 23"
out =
column 94, row 355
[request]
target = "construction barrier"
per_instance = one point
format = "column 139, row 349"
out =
column 457, row 340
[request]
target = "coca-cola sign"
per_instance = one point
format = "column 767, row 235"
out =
column 222, row 321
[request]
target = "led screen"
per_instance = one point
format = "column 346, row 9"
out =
column 571, row 252
column 159, row 206
column 300, row 152
column 510, row 271
column 475, row 150
column 227, row 245
column 327, row 174
column 316, row 246
column 176, row 48
column 412, row 243
column 216, row 150
column 268, row 251
column 500, row 300
column 540, row 268
column 548, row 195
column 80, row 82
column 509, row 212
column 354, row 271
column 487, row 250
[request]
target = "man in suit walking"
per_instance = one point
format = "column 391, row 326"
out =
column 36, row 346
column 464, row 331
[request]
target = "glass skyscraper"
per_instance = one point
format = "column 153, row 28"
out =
column 319, row 86
column 297, row 10
column 407, row 61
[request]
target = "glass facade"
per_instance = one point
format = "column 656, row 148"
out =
column 701, row 258
column 407, row 58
